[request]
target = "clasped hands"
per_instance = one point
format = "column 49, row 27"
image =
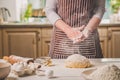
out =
column 78, row 34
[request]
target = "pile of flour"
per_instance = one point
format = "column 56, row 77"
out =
column 107, row 72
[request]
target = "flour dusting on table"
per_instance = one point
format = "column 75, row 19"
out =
column 107, row 72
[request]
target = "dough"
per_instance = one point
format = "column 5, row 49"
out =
column 77, row 61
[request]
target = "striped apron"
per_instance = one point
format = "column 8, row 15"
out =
column 75, row 13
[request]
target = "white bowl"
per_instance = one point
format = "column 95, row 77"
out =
column 4, row 70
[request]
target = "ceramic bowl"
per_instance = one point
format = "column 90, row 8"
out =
column 4, row 70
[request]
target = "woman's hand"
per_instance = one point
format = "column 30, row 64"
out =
column 73, row 33
column 84, row 34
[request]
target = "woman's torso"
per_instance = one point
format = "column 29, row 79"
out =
column 75, row 13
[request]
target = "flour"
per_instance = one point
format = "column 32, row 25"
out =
column 107, row 72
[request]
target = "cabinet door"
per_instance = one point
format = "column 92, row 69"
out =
column 45, row 46
column 114, row 42
column 46, row 37
column 22, row 42
column 103, row 43
column 1, row 43
column 103, row 40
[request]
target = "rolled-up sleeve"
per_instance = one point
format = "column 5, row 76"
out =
column 51, row 11
column 100, row 9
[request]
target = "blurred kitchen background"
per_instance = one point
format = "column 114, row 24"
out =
column 25, row 30
column 22, row 10
column 33, row 10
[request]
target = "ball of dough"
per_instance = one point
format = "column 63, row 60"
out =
column 77, row 61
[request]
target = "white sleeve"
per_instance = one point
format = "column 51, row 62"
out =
column 100, row 9
column 50, row 11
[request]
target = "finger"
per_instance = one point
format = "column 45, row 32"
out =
column 76, row 34
column 77, row 40
column 81, row 28
column 80, row 39
column 83, row 38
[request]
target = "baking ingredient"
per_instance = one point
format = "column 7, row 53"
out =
column 44, row 61
column 49, row 73
column 77, row 61
column 12, row 76
column 14, row 59
column 22, row 68
column 107, row 72
column 40, row 72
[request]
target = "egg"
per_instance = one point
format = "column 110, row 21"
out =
column 31, row 66
column 12, row 76
column 28, row 71
column 40, row 72
column 49, row 73
column 18, row 68
column 13, row 67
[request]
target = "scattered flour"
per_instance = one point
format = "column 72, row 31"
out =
column 107, row 72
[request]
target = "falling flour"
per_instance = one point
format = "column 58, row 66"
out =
column 107, row 72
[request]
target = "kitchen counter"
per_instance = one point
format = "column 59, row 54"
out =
column 37, row 24
column 34, row 24
column 110, row 24
column 63, row 73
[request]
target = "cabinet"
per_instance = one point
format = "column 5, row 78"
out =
column 103, row 40
column 0, row 43
column 114, row 42
column 22, row 42
column 34, row 40
column 46, row 37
